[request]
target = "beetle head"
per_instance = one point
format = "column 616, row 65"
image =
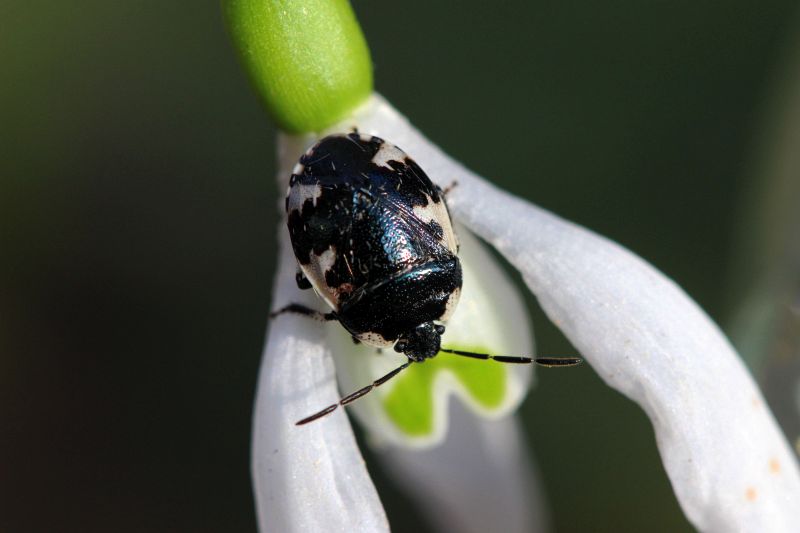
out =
column 422, row 342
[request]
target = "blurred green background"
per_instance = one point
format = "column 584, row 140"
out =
column 138, row 212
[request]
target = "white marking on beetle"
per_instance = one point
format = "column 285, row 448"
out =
column 298, row 169
column 427, row 212
column 388, row 152
column 436, row 211
column 326, row 260
column 450, row 306
column 315, row 273
column 374, row 339
column 299, row 193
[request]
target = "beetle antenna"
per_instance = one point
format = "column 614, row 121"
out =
column 518, row 359
column 353, row 396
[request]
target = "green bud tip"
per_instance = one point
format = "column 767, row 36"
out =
column 307, row 59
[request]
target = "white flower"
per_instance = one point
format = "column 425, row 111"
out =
column 729, row 465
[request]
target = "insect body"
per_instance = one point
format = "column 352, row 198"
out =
column 373, row 237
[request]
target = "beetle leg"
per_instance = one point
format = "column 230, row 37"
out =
column 305, row 311
column 450, row 187
column 302, row 281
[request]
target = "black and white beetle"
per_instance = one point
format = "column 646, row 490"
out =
column 372, row 236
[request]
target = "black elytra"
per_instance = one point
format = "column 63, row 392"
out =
column 372, row 235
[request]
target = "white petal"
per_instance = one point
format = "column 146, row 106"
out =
column 478, row 480
column 730, row 467
column 312, row 477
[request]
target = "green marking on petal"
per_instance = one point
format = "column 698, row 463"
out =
column 409, row 405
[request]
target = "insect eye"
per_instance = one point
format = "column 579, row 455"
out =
column 439, row 329
column 400, row 347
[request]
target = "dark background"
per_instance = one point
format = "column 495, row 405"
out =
column 137, row 233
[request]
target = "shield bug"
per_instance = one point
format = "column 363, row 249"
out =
column 373, row 237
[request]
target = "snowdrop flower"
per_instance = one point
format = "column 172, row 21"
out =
column 730, row 467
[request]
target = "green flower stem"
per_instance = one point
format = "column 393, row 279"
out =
column 307, row 59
